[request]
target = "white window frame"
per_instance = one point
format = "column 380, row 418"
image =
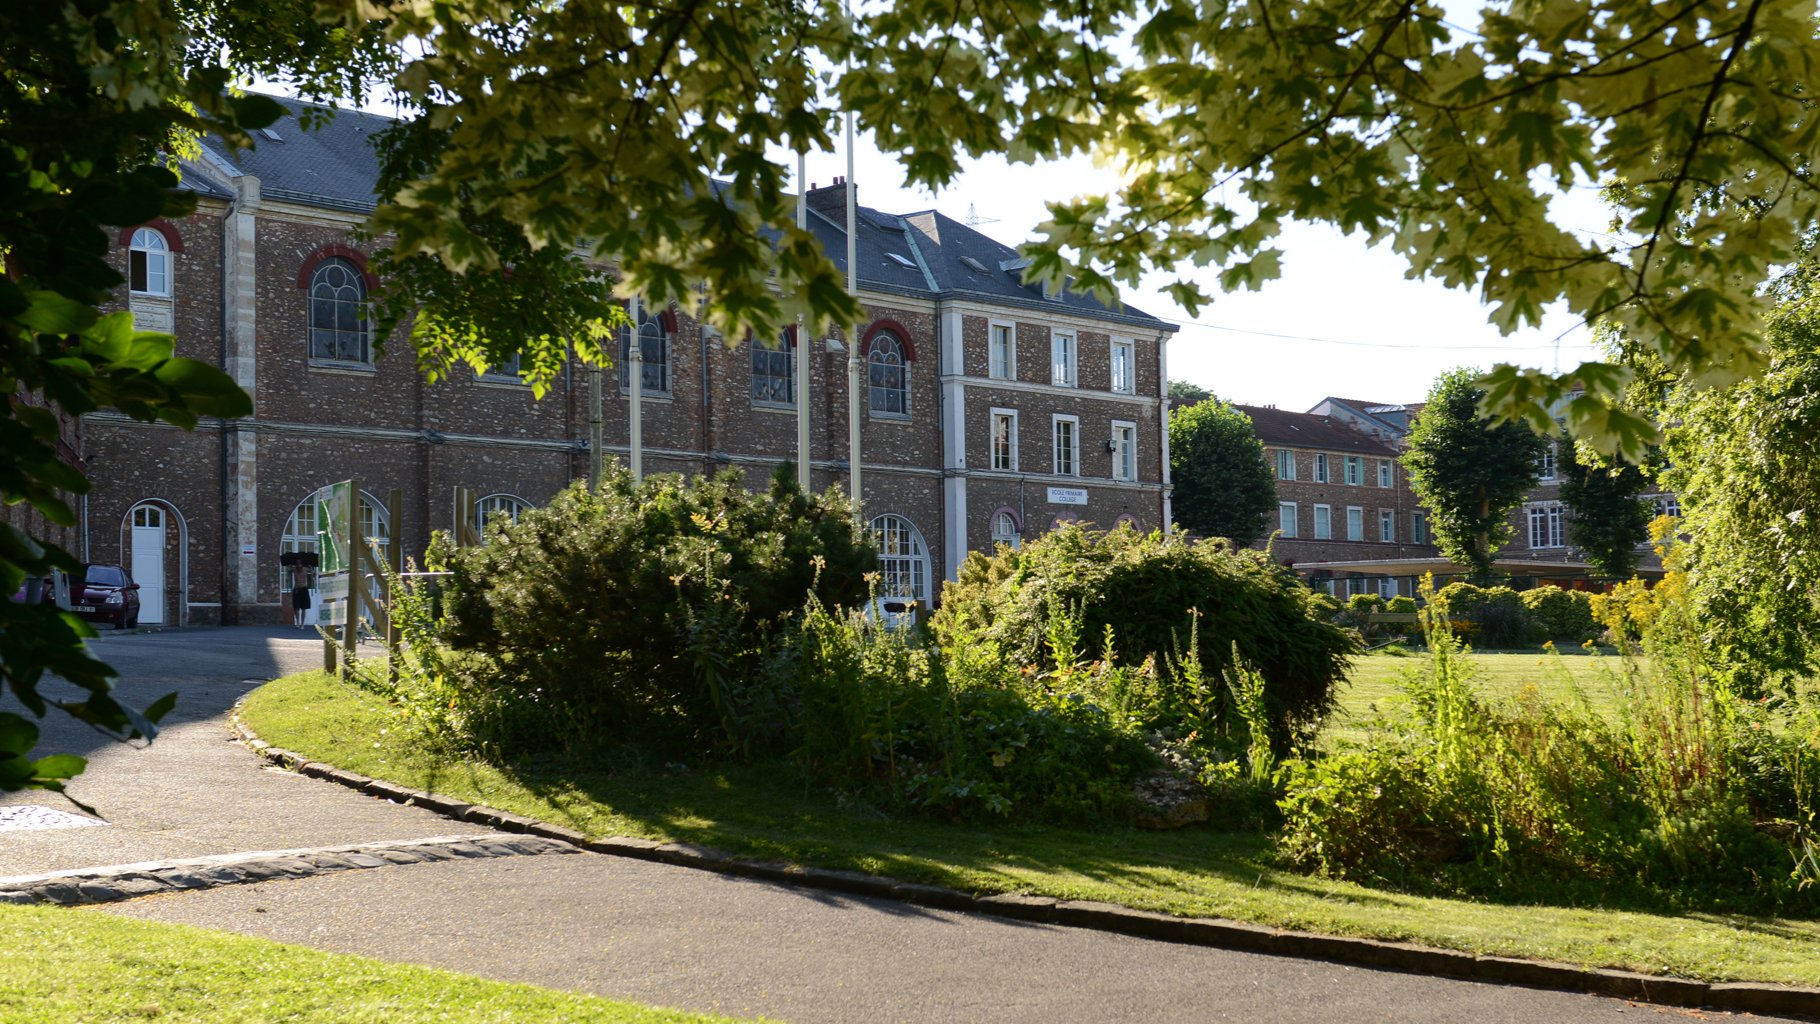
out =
column 1073, row 454
column 1064, row 359
column 1011, row 538
column 1545, row 463
column 1387, row 587
column 1128, row 348
column 1547, row 523
column 996, row 368
column 1323, row 512
column 1355, row 522
column 903, row 561
column 1354, row 470
column 509, row 505
column 157, row 254
column 1387, row 474
column 1124, row 451
column 1285, row 461
column 1387, row 526
column 1418, row 527
column 992, row 459
column 766, row 354
column 1287, row 507
column 1323, row 472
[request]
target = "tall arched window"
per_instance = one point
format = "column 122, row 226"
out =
column 903, row 561
column 653, row 347
column 300, row 529
column 773, row 373
column 149, row 263
column 504, row 507
column 338, row 312
column 887, row 375
column 1004, row 530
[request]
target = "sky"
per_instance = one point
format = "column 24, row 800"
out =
column 1342, row 320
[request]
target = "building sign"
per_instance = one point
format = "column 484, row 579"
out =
column 334, row 545
column 1067, row 495
column 152, row 315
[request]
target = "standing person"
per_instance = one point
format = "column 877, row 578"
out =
column 300, row 597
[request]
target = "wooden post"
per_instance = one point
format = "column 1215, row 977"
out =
column 350, row 630
column 394, row 501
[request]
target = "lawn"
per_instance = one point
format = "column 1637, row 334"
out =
column 759, row 812
column 1571, row 674
column 80, row 966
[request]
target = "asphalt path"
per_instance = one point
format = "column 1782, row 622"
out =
column 648, row 932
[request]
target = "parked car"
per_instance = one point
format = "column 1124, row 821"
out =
column 106, row 593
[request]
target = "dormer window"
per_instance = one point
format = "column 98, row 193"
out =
column 149, row 264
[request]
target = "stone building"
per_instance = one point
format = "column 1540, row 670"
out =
column 992, row 409
column 1343, row 502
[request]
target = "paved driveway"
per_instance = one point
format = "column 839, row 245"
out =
column 649, row 932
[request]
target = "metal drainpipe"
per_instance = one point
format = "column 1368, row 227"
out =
column 228, row 613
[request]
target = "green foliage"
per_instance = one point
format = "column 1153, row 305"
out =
column 1151, row 590
column 1189, row 391
column 1402, row 604
column 1469, row 471
column 1499, row 615
column 640, row 610
column 1608, row 517
column 956, row 733
column 1561, row 614
column 141, row 80
column 1689, row 796
column 1223, row 486
column 1746, row 463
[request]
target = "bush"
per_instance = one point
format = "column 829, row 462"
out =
column 1497, row 614
column 640, row 610
column 1150, row 591
column 1401, row 605
column 1564, row 615
column 957, row 735
column 1690, row 795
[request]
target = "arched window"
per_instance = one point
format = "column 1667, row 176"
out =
column 774, row 372
column 887, row 375
column 1127, row 519
column 504, row 507
column 653, row 347
column 300, row 529
column 903, row 561
column 1004, row 530
column 338, row 312
column 149, row 263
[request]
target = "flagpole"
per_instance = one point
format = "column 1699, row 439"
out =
column 801, row 367
column 854, row 363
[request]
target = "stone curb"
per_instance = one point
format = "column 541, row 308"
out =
column 148, row 878
column 1745, row 997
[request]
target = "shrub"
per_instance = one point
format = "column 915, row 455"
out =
column 1690, row 795
column 1151, row 590
column 640, row 609
column 1401, row 605
column 1561, row 614
column 1497, row 614
column 957, row 735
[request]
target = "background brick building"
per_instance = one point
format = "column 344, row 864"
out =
column 992, row 409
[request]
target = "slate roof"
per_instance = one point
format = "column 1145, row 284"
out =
column 925, row 254
column 1306, row 430
column 332, row 165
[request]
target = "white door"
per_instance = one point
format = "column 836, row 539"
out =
column 148, row 562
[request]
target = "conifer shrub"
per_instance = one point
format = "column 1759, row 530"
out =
column 640, row 609
column 1158, row 595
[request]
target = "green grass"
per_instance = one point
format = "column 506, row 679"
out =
column 82, row 966
column 760, row 812
column 1372, row 689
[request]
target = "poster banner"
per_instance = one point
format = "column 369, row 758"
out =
column 334, row 547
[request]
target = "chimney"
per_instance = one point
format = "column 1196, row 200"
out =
column 830, row 202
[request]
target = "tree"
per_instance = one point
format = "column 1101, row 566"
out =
column 645, row 128
column 1182, row 390
column 1745, row 461
column 1469, row 470
column 1607, row 516
column 95, row 100
column 1223, row 486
